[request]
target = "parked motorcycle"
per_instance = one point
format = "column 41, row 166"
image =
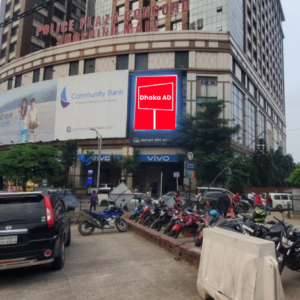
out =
column 154, row 215
column 172, row 221
column 146, row 210
column 107, row 219
column 135, row 214
column 164, row 218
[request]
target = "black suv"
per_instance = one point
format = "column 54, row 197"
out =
column 34, row 230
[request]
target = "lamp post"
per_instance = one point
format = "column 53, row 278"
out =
column 99, row 136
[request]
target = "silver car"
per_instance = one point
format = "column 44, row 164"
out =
column 140, row 198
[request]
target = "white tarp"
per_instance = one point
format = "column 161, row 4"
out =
column 121, row 195
column 97, row 100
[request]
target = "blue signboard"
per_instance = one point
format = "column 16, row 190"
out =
column 139, row 138
column 86, row 160
column 190, row 166
column 160, row 158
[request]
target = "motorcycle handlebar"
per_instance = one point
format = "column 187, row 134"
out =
column 278, row 220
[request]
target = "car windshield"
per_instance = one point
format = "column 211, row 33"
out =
column 22, row 209
column 70, row 200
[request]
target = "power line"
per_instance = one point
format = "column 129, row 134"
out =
column 27, row 13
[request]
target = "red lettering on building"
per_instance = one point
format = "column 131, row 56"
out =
column 91, row 34
column 175, row 7
column 115, row 17
column 185, row 5
column 71, row 25
column 64, row 26
column 128, row 28
column 107, row 19
column 39, row 29
column 127, row 15
column 46, row 30
column 82, row 23
column 155, row 10
column 137, row 14
column 76, row 37
column 146, row 12
column 98, row 21
column 84, row 35
column 165, row 9
column 68, row 38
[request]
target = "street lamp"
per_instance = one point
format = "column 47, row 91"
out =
column 99, row 136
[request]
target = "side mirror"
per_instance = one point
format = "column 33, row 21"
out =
column 70, row 208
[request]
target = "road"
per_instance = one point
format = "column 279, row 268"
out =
column 109, row 265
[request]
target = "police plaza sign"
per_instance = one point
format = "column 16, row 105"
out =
column 105, row 25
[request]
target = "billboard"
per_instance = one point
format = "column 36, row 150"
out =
column 27, row 114
column 65, row 108
column 97, row 100
column 155, row 105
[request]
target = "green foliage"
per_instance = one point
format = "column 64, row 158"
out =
column 21, row 163
column 68, row 156
column 294, row 177
column 208, row 137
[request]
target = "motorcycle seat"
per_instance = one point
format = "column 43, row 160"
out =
column 275, row 230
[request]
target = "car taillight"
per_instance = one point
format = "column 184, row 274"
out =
column 49, row 212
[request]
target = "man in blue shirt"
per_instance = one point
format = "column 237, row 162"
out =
column 93, row 201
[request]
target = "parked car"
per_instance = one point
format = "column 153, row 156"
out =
column 279, row 200
column 202, row 190
column 103, row 196
column 139, row 198
column 34, row 230
column 212, row 199
column 93, row 187
column 187, row 200
column 71, row 200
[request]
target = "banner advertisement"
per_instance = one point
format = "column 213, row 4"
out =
column 27, row 114
column 65, row 108
column 97, row 100
column 155, row 106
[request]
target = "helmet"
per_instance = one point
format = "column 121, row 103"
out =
column 111, row 207
column 259, row 215
column 213, row 213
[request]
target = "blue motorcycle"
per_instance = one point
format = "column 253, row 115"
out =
column 107, row 219
column 135, row 214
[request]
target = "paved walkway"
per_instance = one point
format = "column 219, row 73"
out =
column 109, row 265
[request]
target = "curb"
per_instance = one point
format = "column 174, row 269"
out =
column 181, row 250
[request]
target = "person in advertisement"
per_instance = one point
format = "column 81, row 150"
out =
column 33, row 121
column 23, row 121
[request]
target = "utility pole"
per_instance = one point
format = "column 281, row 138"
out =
column 99, row 136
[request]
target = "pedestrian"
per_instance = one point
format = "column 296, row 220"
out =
column 148, row 196
column 178, row 200
column 231, row 206
column 223, row 204
column 93, row 201
column 268, row 203
column 237, row 197
column 258, row 202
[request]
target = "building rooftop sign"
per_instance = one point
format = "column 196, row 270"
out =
column 105, row 25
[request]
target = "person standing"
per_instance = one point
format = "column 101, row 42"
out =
column 33, row 121
column 178, row 202
column 231, row 206
column 93, row 201
column 258, row 202
column 148, row 196
column 223, row 204
column 268, row 204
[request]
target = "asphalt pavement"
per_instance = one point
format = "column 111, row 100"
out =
column 109, row 265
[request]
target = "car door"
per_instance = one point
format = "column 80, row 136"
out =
column 59, row 215
column 276, row 200
column 284, row 200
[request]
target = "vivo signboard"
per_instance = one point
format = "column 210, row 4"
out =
column 155, row 104
column 66, row 108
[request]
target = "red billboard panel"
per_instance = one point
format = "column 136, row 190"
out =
column 155, row 103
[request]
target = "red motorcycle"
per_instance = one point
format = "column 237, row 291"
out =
column 187, row 222
column 145, row 214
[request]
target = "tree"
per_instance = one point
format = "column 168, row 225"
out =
column 294, row 177
column 21, row 163
column 128, row 165
column 208, row 137
column 68, row 156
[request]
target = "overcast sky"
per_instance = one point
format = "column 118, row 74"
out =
column 292, row 75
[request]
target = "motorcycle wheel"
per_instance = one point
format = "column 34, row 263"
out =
column 121, row 225
column 85, row 228
column 172, row 233
column 146, row 222
column 154, row 225
column 159, row 227
column 198, row 243
column 177, row 234
column 168, row 228
column 150, row 223
column 131, row 217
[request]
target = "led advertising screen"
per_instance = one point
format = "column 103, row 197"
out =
column 155, row 99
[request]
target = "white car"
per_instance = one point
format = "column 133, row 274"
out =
column 279, row 200
column 93, row 187
column 103, row 196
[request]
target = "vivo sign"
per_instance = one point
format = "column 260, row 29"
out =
column 159, row 158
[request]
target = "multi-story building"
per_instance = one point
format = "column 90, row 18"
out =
column 224, row 49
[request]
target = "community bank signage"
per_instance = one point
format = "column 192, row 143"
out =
column 105, row 25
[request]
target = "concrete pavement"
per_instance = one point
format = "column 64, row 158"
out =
column 109, row 265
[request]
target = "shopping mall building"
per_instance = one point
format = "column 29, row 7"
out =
column 96, row 64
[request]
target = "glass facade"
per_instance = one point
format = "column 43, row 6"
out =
column 209, row 15
column 238, row 114
column 207, row 89
column 251, row 125
column 236, row 21
column 262, row 125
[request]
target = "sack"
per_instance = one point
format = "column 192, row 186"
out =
column 259, row 215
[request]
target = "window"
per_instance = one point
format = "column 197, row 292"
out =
column 121, row 10
column 89, row 66
column 251, row 125
column 122, row 62
column 121, row 27
column 39, row 18
column 243, row 78
column 62, row 2
column 177, row 26
column 18, row 81
column 36, row 75
column 3, row 53
column 7, row 7
column 207, row 89
column 16, row 13
column 12, row 47
column 181, row 60
column 14, row 31
column 134, row 5
column 4, row 38
column 48, row 73
column 238, row 114
column 141, row 61
column 74, row 68
column 9, row 83
column 58, row 13
column 34, row 48
column 17, row 2
column 219, row 9
column 39, row 2
column 162, row 28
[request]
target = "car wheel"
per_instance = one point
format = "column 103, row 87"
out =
column 68, row 242
column 59, row 261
